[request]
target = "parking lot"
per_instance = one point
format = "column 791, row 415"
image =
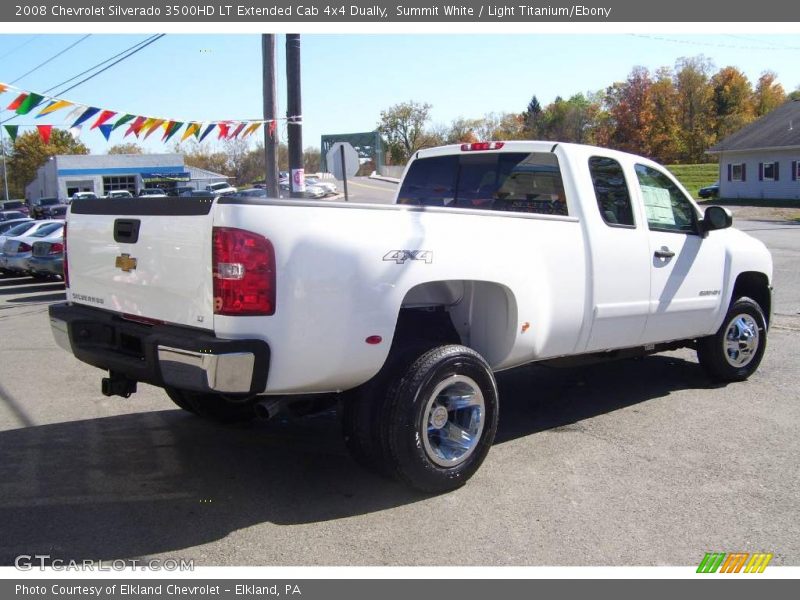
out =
column 641, row 462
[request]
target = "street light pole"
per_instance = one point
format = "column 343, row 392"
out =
column 5, row 163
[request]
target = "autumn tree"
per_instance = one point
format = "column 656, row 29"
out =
column 733, row 101
column 630, row 104
column 403, row 126
column 127, row 148
column 203, row 156
column 695, row 107
column 29, row 153
column 769, row 94
column 311, row 159
column 499, row 126
column 663, row 142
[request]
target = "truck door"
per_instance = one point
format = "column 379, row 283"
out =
column 620, row 263
column 686, row 269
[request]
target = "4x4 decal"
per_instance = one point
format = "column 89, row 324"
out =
column 401, row 256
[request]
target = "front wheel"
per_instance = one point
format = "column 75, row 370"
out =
column 736, row 350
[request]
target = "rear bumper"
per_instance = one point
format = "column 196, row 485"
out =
column 161, row 355
column 46, row 266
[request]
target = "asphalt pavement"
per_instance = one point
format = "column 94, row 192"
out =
column 641, row 462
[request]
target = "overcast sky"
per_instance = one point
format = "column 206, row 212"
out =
column 349, row 79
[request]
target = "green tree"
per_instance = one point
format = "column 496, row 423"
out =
column 127, row 148
column 403, row 126
column 29, row 153
column 531, row 119
column 664, row 129
column 204, row 156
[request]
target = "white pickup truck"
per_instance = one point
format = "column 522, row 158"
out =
column 494, row 255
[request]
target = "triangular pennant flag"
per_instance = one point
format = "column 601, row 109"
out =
column 75, row 113
column 223, row 130
column 104, row 116
column 156, row 123
column 75, row 132
column 53, row 107
column 135, row 127
column 3, row 88
column 44, row 132
column 208, row 130
column 273, row 125
column 251, row 129
column 238, row 129
column 106, row 130
column 31, row 102
column 12, row 130
column 86, row 115
column 190, row 129
column 121, row 121
column 171, row 130
column 17, row 101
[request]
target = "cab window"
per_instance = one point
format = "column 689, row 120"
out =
column 666, row 207
column 500, row 181
column 611, row 191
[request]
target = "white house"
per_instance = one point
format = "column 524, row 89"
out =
column 761, row 160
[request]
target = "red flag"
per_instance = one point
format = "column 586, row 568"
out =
column 135, row 127
column 17, row 102
column 238, row 130
column 44, row 132
column 104, row 116
column 273, row 125
column 223, row 130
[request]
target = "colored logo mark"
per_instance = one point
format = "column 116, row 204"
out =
column 734, row 562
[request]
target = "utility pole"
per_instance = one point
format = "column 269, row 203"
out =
column 270, row 112
column 5, row 162
column 294, row 112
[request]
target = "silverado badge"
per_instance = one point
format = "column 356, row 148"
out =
column 125, row 262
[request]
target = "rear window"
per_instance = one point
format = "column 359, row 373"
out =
column 46, row 230
column 502, row 181
column 49, row 201
column 20, row 229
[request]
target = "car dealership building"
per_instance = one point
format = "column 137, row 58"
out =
column 64, row 174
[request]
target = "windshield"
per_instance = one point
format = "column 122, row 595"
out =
column 48, row 229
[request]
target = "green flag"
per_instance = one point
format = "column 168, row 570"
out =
column 12, row 131
column 31, row 102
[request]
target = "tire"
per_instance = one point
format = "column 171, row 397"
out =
column 435, row 422
column 735, row 351
column 212, row 406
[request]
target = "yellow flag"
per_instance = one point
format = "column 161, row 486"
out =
column 53, row 107
column 190, row 130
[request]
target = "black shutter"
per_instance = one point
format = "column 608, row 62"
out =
column 744, row 171
column 761, row 171
column 777, row 171
column 730, row 169
column 794, row 170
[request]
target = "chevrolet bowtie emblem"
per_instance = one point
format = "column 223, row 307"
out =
column 125, row 262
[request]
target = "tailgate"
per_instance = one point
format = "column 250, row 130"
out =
column 148, row 257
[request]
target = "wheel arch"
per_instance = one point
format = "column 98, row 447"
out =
column 755, row 285
column 480, row 315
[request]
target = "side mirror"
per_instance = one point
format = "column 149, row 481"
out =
column 716, row 217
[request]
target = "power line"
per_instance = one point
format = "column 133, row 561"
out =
column 100, row 64
column 93, row 75
column 52, row 58
column 20, row 46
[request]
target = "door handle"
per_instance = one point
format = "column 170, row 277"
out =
column 664, row 253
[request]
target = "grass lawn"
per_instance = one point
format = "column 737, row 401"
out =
column 693, row 177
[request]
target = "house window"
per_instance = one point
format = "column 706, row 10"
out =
column 737, row 172
column 768, row 171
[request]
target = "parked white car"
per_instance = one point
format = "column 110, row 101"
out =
column 222, row 188
column 17, row 250
column 494, row 255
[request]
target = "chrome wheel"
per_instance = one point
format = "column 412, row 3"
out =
column 453, row 421
column 742, row 339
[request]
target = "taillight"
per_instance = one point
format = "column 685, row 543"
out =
column 243, row 265
column 66, row 267
column 56, row 248
column 482, row 146
column 23, row 247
